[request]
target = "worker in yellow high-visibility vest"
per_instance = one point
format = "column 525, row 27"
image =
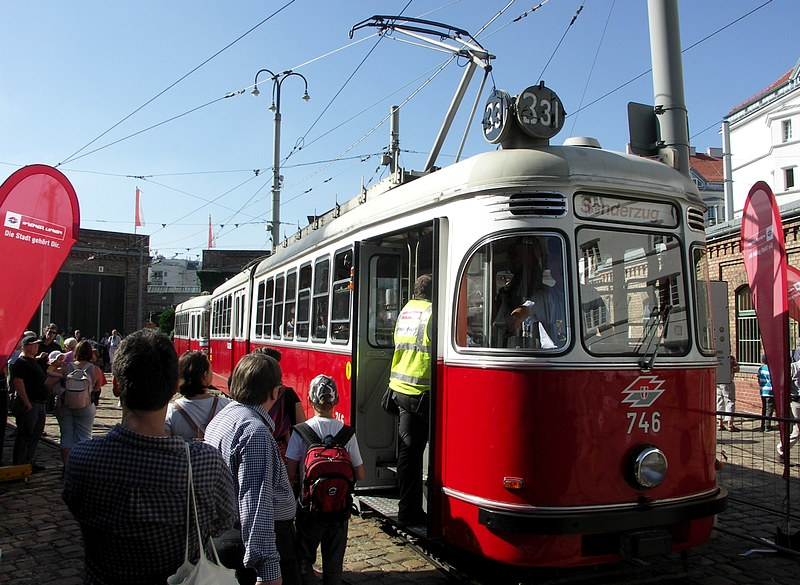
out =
column 410, row 380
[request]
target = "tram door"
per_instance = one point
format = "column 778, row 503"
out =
column 379, row 285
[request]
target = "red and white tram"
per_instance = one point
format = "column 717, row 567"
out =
column 575, row 440
column 192, row 320
column 582, row 436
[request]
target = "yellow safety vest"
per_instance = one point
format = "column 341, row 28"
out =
column 411, row 363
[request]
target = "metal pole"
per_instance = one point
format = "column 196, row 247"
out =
column 139, row 288
column 469, row 70
column 276, row 170
column 727, row 169
column 277, row 80
column 394, row 139
column 665, row 51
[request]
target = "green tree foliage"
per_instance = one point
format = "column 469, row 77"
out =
column 166, row 322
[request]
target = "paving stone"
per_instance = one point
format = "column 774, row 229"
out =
column 41, row 542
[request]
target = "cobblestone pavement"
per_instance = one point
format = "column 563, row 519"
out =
column 41, row 542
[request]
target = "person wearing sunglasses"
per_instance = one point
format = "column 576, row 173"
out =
column 48, row 344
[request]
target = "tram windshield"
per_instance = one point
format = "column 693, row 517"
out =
column 513, row 295
column 632, row 293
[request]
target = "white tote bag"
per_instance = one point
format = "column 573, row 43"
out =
column 204, row 572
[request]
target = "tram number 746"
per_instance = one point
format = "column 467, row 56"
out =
column 652, row 425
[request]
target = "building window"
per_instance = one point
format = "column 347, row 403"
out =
column 787, row 130
column 788, row 178
column 748, row 348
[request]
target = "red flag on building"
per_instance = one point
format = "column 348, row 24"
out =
column 211, row 242
column 764, row 252
column 139, row 212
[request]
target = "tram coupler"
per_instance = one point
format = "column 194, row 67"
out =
column 645, row 543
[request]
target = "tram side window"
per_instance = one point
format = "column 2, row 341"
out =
column 278, row 307
column 259, row 316
column 303, row 303
column 513, row 295
column 320, row 300
column 205, row 321
column 222, row 316
column 263, row 313
column 237, row 316
column 287, row 328
column 705, row 328
column 384, row 292
column 632, row 293
column 340, row 306
column 228, row 315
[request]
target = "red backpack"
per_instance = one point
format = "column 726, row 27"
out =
column 326, row 493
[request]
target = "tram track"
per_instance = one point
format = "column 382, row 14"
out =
column 462, row 568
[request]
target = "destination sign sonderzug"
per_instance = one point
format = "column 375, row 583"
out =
column 617, row 209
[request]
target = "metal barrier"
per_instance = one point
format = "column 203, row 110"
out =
column 764, row 506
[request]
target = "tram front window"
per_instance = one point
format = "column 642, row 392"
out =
column 513, row 295
column 632, row 293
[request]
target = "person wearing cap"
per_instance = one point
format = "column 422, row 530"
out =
column 28, row 381
column 56, row 370
column 242, row 431
column 324, row 397
column 410, row 381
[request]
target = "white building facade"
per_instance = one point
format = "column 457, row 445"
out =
column 765, row 141
column 173, row 273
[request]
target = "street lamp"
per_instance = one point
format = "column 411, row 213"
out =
column 277, row 81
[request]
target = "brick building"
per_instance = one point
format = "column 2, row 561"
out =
column 220, row 265
column 101, row 285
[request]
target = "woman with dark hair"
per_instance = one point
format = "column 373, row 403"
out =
column 76, row 423
column 189, row 415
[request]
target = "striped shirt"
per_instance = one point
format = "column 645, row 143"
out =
column 128, row 493
column 243, row 434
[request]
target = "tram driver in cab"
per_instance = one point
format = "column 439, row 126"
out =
column 544, row 308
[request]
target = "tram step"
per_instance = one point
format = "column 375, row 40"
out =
column 387, row 506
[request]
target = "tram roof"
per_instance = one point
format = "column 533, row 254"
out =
column 197, row 302
column 486, row 174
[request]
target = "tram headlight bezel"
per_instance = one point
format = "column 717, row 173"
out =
column 648, row 467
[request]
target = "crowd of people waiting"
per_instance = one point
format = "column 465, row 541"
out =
column 127, row 489
column 32, row 385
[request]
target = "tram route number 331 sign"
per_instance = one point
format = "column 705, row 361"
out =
column 40, row 215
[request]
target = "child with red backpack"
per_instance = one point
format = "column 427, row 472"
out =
column 323, row 453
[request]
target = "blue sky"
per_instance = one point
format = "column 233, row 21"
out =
column 71, row 72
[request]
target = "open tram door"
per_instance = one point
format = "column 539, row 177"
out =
column 386, row 269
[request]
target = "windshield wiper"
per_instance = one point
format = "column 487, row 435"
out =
column 663, row 320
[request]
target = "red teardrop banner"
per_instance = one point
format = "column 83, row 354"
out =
column 41, row 219
column 764, row 254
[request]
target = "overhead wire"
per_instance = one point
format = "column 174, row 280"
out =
column 165, row 90
column 594, row 62
column 693, row 45
column 569, row 26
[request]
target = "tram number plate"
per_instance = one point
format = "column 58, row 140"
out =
column 649, row 424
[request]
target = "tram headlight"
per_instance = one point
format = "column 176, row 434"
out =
column 649, row 466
